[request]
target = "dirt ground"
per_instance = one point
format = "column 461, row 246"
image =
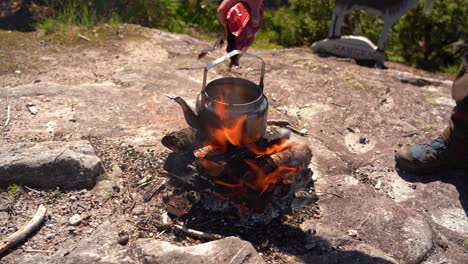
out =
column 111, row 91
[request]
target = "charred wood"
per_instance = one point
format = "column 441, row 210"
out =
column 182, row 141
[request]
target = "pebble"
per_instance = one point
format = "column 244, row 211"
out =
column 75, row 220
column 378, row 185
column 352, row 233
column 73, row 199
column 33, row 110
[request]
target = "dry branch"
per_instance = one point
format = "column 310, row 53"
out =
column 198, row 234
column 22, row 233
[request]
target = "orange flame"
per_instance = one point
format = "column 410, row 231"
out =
column 220, row 138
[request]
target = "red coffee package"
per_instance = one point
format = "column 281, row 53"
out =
column 239, row 29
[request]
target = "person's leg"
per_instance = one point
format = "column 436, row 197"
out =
column 450, row 149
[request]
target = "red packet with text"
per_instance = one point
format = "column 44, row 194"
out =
column 239, row 29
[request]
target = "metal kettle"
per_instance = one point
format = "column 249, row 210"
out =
column 237, row 97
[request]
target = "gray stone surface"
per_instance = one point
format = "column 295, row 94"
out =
column 50, row 164
column 228, row 250
column 386, row 225
column 341, row 248
column 103, row 247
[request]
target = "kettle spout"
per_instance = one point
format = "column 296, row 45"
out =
column 190, row 116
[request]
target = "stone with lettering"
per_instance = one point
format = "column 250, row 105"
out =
column 391, row 11
column 356, row 47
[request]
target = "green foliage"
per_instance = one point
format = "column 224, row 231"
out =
column 425, row 40
column 172, row 15
column 300, row 23
column 14, row 190
column 56, row 194
column 419, row 39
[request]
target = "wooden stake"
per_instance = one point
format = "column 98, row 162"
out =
column 22, row 233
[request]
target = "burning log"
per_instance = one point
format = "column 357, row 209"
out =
column 183, row 141
column 296, row 155
column 188, row 139
column 242, row 169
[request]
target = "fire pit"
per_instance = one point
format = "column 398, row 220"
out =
column 230, row 161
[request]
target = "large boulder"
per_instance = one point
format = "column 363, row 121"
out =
column 68, row 165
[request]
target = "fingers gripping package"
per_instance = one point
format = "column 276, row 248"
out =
column 240, row 30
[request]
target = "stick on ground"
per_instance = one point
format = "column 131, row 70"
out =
column 8, row 116
column 197, row 233
column 26, row 230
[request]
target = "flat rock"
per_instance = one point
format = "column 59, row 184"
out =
column 103, row 246
column 341, row 248
column 227, row 250
column 388, row 226
column 68, row 165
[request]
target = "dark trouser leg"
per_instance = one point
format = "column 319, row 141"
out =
column 450, row 150
column 458, row 126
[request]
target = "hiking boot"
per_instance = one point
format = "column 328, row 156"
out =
column 438, row 154
column 450, row 150
column 423, row 158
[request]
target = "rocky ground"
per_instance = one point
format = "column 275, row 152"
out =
column 111, row 90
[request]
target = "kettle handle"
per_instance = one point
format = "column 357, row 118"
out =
column 227, row 56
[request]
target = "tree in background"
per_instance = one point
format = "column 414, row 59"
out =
column 423, row 40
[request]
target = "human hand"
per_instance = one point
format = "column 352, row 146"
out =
column 254, row 5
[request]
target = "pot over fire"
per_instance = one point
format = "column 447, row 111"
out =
column 230, row 103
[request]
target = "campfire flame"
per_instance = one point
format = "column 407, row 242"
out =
column 221, row 138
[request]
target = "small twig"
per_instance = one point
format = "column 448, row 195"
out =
column 26, row 230
column 145, row 183
column 147, row 228
column 83, row 37
column 38, row 251
column 334, row 194
column 410, row 134
column 190, row 68
column 8, row 116
column 147, row 145
column 32, row 190
column 198, row 234
column 364, row 221
column 70, row 250
column 339, row 105
column 152, row 191
column 301, row 132
column 170, row 96
column 286, row 124
column 160, row 233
